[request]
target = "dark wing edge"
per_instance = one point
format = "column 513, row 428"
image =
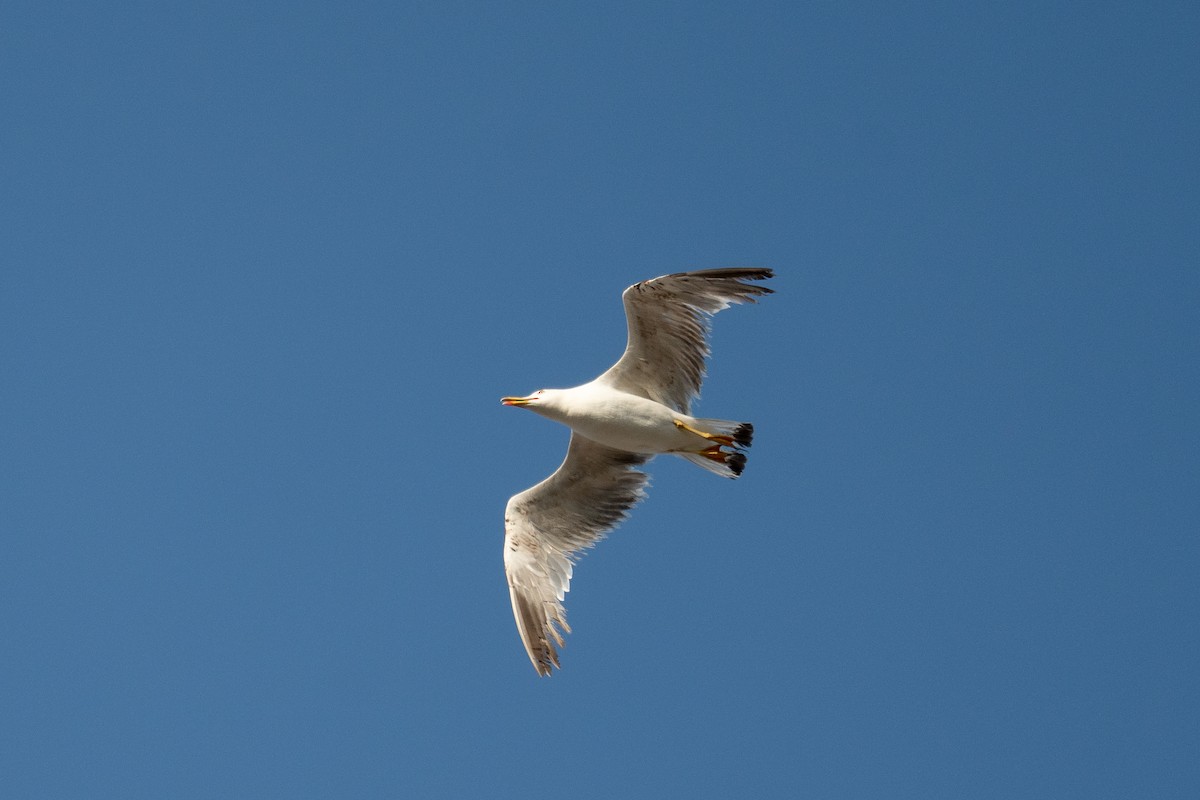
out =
column 668, row 320
column 547, row 527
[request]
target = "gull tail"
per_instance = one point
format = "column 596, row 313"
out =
column 726, row 459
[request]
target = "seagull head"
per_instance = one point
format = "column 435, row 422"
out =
column 552, row 403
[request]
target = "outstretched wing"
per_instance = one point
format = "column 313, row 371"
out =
column 546, row 527
column 668, row 321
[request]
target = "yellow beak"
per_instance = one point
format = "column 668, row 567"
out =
column 514, row 401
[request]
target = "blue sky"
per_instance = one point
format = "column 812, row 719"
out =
column 268, row 268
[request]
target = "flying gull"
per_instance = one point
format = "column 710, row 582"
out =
column 619, row 421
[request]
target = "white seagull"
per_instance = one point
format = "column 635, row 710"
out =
column 620, row 420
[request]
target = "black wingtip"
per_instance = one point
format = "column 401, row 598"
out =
column 736, row 463
column 743, row 435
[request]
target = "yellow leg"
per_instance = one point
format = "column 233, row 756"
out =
column 712, row 437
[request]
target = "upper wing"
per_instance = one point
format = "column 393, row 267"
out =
column 668, row 331
column 547, row 525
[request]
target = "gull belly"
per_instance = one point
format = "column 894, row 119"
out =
column 624, row 421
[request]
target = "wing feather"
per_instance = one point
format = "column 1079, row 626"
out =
column 668, row 320
column 547, row 526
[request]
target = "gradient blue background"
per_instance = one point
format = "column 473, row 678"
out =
column 266, row 269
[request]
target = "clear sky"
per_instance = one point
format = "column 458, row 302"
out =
column 267, row 268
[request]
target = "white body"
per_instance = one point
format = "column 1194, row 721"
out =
column 618, row 419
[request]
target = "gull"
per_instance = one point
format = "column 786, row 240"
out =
column 619, row 421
